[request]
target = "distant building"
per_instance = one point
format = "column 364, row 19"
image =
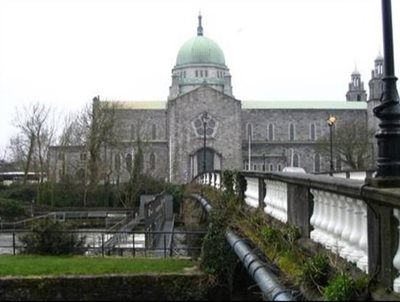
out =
column 239, row 134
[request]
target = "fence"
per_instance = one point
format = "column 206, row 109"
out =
column 356, row 221
column 133, row 243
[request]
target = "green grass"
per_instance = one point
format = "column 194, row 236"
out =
column 29, row 265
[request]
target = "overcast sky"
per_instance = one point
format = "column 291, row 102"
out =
column 63, row 53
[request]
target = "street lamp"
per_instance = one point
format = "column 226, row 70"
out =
column 204, row 118
column 331, row 122
column 388, row 112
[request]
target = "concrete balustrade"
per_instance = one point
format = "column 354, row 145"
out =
column 353, row 220
column 396, row 259
column 251, row 193
column 276, row 200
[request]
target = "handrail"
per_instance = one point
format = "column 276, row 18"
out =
column 265, row 279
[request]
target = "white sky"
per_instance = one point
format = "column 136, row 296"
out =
column 63, row 53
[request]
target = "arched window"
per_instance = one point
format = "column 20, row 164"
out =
column 317, row 163
column 154, row 132
column 295, row 160
column 312, row 132
column 152, row 161
column 132, row 132
column 291, row 132
column 270, row 132
column 128, row 160
column 279, row 167
column 271, row 167
column 117, row 162
column 249, row 131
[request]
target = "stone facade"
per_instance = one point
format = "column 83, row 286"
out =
column 172, row 132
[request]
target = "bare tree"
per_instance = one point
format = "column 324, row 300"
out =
column 34, row 137
column 351, row 142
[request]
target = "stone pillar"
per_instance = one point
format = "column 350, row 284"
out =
column 382, row 243
column 261, row 193
column 300, row 205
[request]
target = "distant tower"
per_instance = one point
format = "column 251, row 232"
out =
column 375, row 93
column 376, row 84
column 356, row 88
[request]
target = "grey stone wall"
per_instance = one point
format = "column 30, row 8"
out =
column 183, row 139
column 278, row 150
column 131, row 124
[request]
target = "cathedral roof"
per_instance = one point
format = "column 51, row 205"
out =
column 200, row 50
column 144, row 105
column 303, row 105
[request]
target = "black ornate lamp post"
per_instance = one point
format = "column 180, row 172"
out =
column 331, row 123
column 204, row 119
column 388, row 137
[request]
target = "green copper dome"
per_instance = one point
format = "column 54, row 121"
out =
column 200, row 50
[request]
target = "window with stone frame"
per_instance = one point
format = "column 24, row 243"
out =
column 312, row 132
column 132, row 132
column 154, row 132
column 291, row 132
column 83, row 156
column 317, row 163
column 296, row 160
column 152, row 161
column 211, row 126
column 270, row 132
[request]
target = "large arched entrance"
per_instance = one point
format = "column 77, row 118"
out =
column 204, row 161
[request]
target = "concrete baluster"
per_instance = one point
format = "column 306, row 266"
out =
column 363, row 243
column 347, row 229
column 315, row 215
column 396, row 259
column 356, row 252
column 333, row 221
column 267, row 198
column 207, row 180
column 325, row 218
column 218, row 181
column 341, row 215
column 251, row 194
column 283, row 187
column 316, row 233
column 274, row 194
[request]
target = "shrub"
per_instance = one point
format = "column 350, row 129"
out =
column 50, row 237
column 340, row 288
column 316, row 271
column 269, row 234
column 227, row 181
column 217, row 257
column 11, row 208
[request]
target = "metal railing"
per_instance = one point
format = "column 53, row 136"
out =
column 133, row 243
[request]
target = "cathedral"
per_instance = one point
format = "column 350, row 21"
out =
column 202, row 125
